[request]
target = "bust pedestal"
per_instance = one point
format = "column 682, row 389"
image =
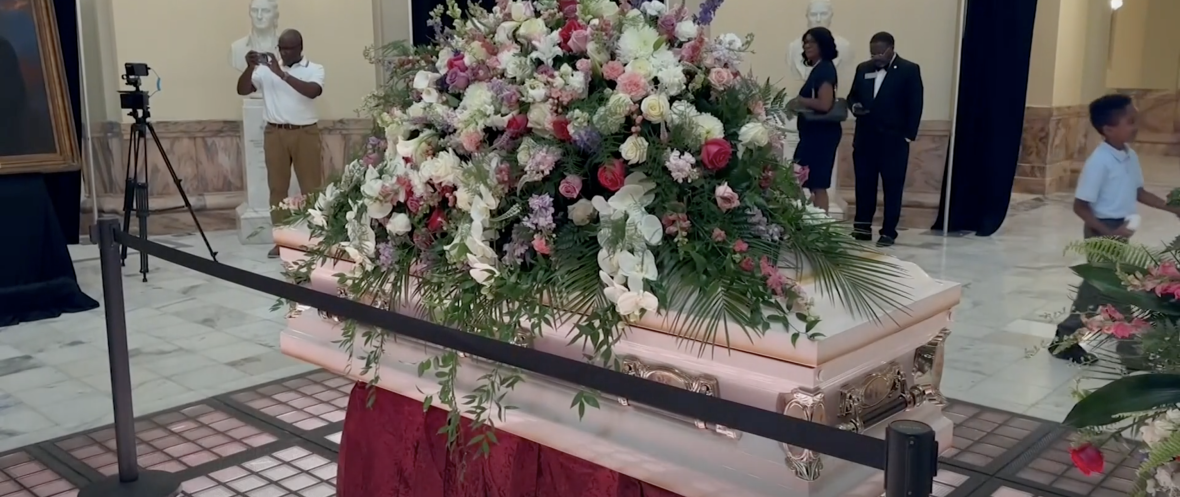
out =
column 254, row 226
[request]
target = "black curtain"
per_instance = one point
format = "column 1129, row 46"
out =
column 993, row 82
column 420, row 17
column 42, row 214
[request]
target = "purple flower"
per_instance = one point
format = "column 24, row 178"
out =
column 540, row 216
column 385, row 255
column 587, row 139
column 458, row 80
column 708, row 9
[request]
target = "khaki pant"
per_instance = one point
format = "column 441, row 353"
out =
column 286, row 148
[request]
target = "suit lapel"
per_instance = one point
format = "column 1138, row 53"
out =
column 893, row 77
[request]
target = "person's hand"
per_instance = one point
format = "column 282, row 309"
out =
column 1122, row 232
column 273, row 63
column 252, row 58
column 858, row 109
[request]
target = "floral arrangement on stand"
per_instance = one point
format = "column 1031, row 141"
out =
column 584, row 161
column 1140, row 327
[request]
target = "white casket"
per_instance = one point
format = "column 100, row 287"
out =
column 862, row 376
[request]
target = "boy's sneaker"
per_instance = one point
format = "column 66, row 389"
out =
column 862, row 236
column 1073, row 353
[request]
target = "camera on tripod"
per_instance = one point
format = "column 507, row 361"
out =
column 136, row 99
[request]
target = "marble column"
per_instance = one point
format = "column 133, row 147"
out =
column 254, row 226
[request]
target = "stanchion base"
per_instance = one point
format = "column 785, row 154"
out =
column 149, row 484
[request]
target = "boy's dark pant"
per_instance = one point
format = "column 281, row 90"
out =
column 1088, row 298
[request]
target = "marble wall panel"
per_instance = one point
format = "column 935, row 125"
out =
column 207, row 157
column 1053, row 139
column 1159, row 121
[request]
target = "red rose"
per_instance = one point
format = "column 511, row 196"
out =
column 715, row 154
column 561, row 129
column 413, row 203
column 1087, row 458
column 611, row 175
column 436, row 221
column 517, row 125
column 456, row 63
column 567, row 32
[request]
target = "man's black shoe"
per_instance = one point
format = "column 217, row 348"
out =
column 1073, row 353
column 885, row 241
column 862, row 236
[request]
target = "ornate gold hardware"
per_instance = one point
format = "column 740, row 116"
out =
column 806, row 464
column 295, row 309
column 863, row 397
column 702, row 384
column 522, row 338
column 928, row 363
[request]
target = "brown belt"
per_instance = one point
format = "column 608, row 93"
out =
column 288, row 126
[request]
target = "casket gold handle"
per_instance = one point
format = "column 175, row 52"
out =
column 928, row 364
column 668, row 375
column 807, row 465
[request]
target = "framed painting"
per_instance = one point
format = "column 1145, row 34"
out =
column 36, row 123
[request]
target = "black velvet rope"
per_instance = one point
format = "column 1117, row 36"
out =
column 857, row 448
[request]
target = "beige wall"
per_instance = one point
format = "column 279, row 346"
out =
column 187, row 43
column 927, row 38
column 1043, row 60
column 1071, row 53
column 1070, row 48
column 1145, row 49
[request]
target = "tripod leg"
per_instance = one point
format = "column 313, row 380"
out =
column 142, row 211
column 180, row 188
column 129, row 187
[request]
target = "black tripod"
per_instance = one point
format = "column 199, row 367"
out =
column 135, row 196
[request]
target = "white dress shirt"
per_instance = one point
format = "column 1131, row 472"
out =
column 281, row 103
column 880, row 76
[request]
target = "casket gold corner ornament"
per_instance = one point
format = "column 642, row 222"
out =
column 668, row 375
column 867, row 400
column 808, row 406
column 342, row 293
column 928, row 363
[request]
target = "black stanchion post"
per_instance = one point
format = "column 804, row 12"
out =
column 130, row 482
column 912, row 459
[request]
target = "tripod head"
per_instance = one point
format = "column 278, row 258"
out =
column 135, row 100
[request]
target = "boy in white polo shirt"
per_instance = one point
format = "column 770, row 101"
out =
column 1108, row 193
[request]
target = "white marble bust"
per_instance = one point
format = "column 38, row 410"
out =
column 264, row 33
column 819, row 14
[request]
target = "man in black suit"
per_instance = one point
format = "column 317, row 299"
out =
column 886, row 98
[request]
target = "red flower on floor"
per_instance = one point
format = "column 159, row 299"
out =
column 1087, row 458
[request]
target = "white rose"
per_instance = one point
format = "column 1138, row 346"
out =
column 582, row 212
column 709, row 127
column 441, row 169
column 399, row 224
column 540, row 117
column 634, row 150
column 603, row 9
column 754, row 134
column 653, row 8
column 686, row 30
column 642, row 67
column 520, row 11
column 655, row 108
column 532, row 30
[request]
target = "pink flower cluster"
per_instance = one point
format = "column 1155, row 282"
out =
column 1163, row 280
column 1110, row 321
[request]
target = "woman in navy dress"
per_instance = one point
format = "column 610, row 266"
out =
column 818, row 140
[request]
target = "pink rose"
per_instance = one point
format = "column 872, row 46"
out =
column 726, row 198
column 741, row 246
column 612, row 70
column 471, row 140
column 720, row 78
column 570, row 186
column 715, row 154
column 584, row 66
column 633, row 85
column 758, row 109
column 540, row 245
column 718, row 235
column 579, row 40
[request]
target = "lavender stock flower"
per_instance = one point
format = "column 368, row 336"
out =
column 708, row 9
column 587, row 139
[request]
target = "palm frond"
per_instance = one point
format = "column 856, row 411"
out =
column 1111, row 250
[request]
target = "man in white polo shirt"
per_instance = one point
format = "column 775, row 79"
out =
column 292, row 138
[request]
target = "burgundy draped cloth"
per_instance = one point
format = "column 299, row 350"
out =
column 394, row 449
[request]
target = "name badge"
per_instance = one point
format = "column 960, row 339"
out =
column 871, row 75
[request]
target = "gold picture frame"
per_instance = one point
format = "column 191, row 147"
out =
column 47, row 116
